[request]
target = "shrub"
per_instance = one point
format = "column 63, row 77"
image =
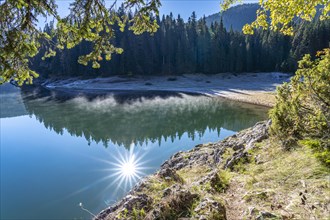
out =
column 302, row 109
column 323, row 154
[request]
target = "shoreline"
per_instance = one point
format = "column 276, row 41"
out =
column 266, row 99
column 245, row 176
column 170, row 181
column 253, row 88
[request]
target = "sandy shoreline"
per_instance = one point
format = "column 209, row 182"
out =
column 252, row 97
column 254, row 88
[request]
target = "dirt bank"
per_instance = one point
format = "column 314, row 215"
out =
column 246, row 176
column 255, row 88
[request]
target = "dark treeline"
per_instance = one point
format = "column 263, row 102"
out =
column 193, row 47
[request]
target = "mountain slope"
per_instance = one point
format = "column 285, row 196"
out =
column 236, row 16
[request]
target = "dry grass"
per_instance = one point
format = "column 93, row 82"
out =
column 194, row 173
column 291, row 184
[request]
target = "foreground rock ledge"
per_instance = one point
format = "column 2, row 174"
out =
column 189, row 184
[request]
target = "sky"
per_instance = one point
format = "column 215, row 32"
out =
column 186, row 7
column 182, row 7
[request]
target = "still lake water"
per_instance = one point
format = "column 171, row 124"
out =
column 57, row 153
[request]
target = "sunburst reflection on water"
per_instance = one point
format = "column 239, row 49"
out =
column 126, row 168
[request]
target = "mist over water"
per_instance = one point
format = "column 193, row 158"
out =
column 93, row 149
column 104, row 119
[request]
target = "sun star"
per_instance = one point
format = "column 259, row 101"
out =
column 128, row 168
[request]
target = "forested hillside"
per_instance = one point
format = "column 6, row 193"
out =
column 235, row 17
column 192, row 47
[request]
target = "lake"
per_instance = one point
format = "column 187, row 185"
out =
column 58, row 152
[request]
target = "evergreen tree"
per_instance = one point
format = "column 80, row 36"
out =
column 178, row 47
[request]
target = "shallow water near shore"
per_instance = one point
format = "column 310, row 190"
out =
column 58, row 153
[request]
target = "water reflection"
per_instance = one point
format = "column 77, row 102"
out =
column 60, row 171
column 107, row 120
column 122, row 169
column 126, row 168
column 11, row 102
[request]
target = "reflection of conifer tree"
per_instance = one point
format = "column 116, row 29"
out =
column 150, row 122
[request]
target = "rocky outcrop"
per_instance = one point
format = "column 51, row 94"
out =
column 126, row 206
column 188, row 185
column 211, row 154
column 176, row 203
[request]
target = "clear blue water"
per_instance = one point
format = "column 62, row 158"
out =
column 56, row 154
